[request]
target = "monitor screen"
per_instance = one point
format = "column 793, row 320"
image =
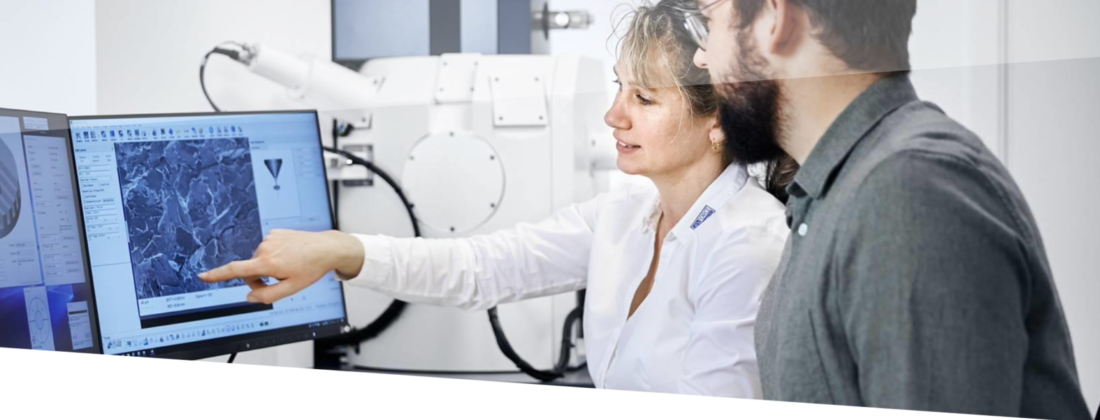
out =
column 368, row 29
column 168, row 197
column 45, row 290
column 358, row 25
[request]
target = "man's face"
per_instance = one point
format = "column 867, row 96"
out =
column 751, row 99
column 722, row 41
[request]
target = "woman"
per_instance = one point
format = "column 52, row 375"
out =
column 673, row 270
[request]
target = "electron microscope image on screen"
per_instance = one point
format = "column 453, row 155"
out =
column 190, row 206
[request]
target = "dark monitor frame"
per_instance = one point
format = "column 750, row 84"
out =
column 66, row 134
column 254, row 341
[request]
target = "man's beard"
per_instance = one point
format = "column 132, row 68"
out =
column 750, row 111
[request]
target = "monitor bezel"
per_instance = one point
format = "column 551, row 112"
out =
column 66, row 133
column 247, row 342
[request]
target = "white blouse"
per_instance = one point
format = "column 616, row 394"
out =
column 693, row 334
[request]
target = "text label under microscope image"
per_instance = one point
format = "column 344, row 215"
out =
column 191, row 206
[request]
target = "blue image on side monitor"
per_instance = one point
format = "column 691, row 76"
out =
column 45, row 293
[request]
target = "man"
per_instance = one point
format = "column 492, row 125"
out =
column 915, row 276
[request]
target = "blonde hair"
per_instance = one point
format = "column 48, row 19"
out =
column 656, row 52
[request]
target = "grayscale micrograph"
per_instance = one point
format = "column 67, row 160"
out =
column 190, row 206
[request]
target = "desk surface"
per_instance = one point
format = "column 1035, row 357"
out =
column 578, row 378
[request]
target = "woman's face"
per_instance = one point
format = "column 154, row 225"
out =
column 656, row 133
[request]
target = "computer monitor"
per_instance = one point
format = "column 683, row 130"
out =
column 167, row 197
column 367, row 29
column 46, row 298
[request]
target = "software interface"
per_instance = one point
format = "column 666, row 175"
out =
column 167, row 198
column 44, row 289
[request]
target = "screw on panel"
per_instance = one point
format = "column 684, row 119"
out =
column 452, row 134
column 452, row 229
column 493, row 205
column 410, row 158
column 491, row 157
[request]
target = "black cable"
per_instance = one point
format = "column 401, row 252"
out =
column 232, row 357
column 336, row 204
column 580, row 304
column 562, row 365
column 336, row 184
column 235, row 55
column 567, row 338
column 385, row 177
column 387, row 318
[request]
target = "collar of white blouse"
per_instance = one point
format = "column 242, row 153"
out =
column 731, row 180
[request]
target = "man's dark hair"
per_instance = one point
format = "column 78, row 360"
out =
column 868, row 35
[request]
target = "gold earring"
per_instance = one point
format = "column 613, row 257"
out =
column 716, row 145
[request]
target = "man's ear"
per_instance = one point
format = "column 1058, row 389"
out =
column 787, row 25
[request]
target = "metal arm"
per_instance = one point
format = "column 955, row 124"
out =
column 320, row 84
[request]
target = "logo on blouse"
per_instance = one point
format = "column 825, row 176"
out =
column 703, row 216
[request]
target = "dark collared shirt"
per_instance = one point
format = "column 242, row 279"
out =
column 914, row 276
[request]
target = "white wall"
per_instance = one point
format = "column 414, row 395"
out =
column 148, row 59
column 47, row 56
column 150, row 50
column 1054, row 141
column 956, row 51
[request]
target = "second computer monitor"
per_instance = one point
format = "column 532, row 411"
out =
column 45, row 293
column 168, row 197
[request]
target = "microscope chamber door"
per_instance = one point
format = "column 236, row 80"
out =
column 455, row 181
